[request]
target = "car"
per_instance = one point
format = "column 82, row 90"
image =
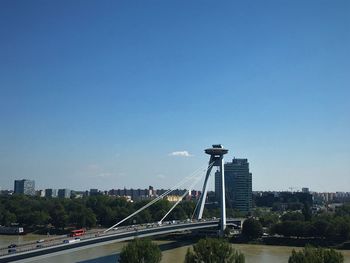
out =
column 69, row 241
column 39, row 246
column 40, row 241
column 12, row 246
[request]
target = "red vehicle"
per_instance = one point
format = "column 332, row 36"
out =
column 77, row 232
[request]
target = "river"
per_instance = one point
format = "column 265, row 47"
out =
column 108, row 253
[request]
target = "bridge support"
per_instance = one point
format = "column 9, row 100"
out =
column 216, row 159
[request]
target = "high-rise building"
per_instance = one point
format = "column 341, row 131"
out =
column 64, row 193
column 24, row 186
column 40, row 193
column 218, row 185
column 238, row 185
column 50, row 193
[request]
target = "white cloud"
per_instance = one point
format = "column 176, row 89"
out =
column 181, row 153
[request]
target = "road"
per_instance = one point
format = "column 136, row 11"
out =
column 90, row 234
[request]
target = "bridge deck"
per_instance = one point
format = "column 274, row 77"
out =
column 106, row 238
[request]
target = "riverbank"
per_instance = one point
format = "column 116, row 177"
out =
column 293, row 242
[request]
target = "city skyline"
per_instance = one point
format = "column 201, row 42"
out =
column 112, row 94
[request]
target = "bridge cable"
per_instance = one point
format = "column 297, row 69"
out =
column 194, row 174
column 178, row 201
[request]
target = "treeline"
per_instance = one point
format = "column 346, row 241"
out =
column 36, row 212
column 283, row 200
column 333, row 227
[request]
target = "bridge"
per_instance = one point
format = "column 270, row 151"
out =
column 117, row 233
column 58, row 245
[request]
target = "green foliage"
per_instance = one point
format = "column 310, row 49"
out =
column 333, row 228
column 7, row 218
column 343, row 210
column 211, row 250
column 293, row 216
column 307, row 212
column 252, row 228
column 293, row 228
column 267, row 220
column 140, row 250
column 316, row 255
column 59, row 217
column 37, row 212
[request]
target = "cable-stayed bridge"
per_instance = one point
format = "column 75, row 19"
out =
column 117, row 232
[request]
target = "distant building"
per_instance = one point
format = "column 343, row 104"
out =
column 173, row 198
column 64, row 193
column 218, row 185
column 50, row 193
column 151, row 191
column 79, row 194
column 6, row 192
column 238, row 185
column 94, row 192
column 40, row 193
column 195, row 194
column 24, row 186
column 305, row 190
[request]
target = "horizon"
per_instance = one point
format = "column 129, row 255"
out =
column 98, row 94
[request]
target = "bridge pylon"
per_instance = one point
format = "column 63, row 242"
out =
column 216, row 159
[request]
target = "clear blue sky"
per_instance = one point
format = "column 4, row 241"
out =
column 98, row 94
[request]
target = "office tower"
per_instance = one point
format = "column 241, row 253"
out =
column 218, row 185
column 64, row 193
column 50, row 193
column 238, row 184
column 25, row 186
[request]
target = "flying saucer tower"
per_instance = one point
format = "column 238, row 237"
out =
column 216, row 159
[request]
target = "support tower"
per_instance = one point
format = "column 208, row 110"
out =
column 216, row 159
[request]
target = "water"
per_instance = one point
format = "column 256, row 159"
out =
column 108, row 253
column 253, row 254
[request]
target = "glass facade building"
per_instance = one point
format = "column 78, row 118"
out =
column 64, row 193
column 238, row 185
column 26, row 187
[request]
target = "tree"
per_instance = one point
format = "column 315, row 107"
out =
column 293, row 216
column 140, row 250
column 307, row 212
column 40, row 217
column 267, row 220
column 8, row 218
column 316, row 255
column 212, row 250
column 342, row 228
column 252, row 228
column 58, row 215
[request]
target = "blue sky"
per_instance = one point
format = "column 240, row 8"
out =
column 98, row 94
